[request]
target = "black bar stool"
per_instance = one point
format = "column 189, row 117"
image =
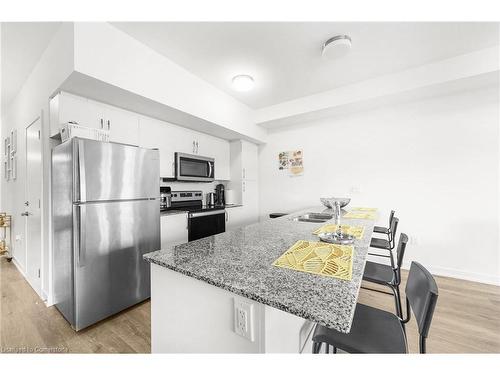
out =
column 385, row 230
column 380, row 243
column 386, row 275
column 379, row 331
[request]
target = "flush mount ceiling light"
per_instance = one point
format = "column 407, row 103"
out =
column 243, row 82
column 336, row 47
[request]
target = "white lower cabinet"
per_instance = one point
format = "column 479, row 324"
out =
column 173, row 229
column 239, row 217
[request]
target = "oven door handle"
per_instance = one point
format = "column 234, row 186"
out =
column 208, row 213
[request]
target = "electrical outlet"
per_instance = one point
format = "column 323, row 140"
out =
column 243, row 319
column 355, row 189
column 413, row 240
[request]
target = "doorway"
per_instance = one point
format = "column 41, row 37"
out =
column 32, row 213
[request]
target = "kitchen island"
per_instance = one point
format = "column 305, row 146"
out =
column 198, row 288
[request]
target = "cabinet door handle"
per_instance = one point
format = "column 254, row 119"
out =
column 243, row 186
column 102, row 123
column 193, row 147
column 197, row 147
column 109, row 124
column 227, row 216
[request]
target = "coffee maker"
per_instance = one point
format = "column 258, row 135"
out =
column 165, row 198
column 220, row 199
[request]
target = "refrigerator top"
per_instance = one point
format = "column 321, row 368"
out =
column 106, row 171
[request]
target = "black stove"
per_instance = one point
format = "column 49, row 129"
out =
column 203, row 220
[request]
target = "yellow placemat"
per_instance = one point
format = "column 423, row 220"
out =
column 364, row 209
column 359, row 215
column 319, row 258
column 356, row 232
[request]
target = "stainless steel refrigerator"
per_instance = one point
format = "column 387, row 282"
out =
column 105, row 216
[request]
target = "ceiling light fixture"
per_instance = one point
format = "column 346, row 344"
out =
column 337, row 46
column 243, row 82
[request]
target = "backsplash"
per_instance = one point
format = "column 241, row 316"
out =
column 205, row 187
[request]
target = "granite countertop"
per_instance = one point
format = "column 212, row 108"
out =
column 240, row 261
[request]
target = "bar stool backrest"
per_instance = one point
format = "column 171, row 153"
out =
column 393, row 229
column 391, row 216
column 400, row 253
column 421, row 294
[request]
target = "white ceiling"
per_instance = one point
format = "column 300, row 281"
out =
column 22, row 45
column 285, row 58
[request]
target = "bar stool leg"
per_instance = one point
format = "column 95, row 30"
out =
column 316, row 347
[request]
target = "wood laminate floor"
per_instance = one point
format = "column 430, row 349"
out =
column 467, row 320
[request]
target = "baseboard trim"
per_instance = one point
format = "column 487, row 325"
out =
column 18, row 266
column 463, row 275
column 23, row 274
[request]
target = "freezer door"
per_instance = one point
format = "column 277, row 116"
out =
column 111, row 171
column 110, row 273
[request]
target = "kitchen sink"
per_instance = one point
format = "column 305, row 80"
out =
column 313, row 217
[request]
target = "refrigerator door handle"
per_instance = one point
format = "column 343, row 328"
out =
column 80, row 227
column 81, row 171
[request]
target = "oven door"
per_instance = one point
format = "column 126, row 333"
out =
column 194, row 168
column 204, row 224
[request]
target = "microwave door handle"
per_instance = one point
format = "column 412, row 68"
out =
column 209, row 169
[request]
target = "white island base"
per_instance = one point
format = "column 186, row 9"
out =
column 191, row 316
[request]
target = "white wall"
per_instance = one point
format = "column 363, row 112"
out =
column 434, row 161
column 32, row 101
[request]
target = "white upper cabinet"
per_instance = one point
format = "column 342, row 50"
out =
column 170, row 139
column 65, row 108
column 97, row 114
column 244, row 176
column 249, row 158
column 155, row 134
column 217, row 148
column 123, row 126
column 244, row 160
column 134, row 129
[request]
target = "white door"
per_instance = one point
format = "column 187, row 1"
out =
column 32, row 204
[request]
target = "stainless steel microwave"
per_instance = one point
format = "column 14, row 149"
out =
column 194, row 167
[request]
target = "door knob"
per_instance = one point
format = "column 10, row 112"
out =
column 25, row 213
